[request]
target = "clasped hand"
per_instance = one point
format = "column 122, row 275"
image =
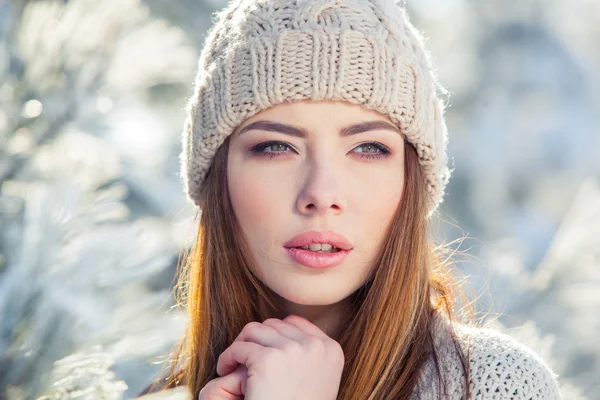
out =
column 278, row 359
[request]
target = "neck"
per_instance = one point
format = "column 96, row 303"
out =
column 329, row 318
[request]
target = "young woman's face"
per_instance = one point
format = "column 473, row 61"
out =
column 318, row 166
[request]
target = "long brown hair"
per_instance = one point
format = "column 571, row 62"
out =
column 389, row 335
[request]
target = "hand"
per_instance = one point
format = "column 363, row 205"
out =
column 283, row 359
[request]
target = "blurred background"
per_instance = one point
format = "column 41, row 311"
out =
column 93, row 214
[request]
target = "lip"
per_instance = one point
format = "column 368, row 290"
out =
column 318, row 260
column 325, row 237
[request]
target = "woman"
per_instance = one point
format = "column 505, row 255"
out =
column 315, row 147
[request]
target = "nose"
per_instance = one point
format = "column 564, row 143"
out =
column 321, row 193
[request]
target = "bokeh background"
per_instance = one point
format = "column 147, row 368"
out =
column 93, row 216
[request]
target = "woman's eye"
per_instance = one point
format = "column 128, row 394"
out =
column 374, row 150
column 371, row 150
column 276, row 149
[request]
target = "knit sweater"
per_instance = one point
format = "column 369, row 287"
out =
column 501, row 368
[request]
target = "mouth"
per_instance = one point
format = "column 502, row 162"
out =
column 325, row 241
column 319, row 248
column 317, row 259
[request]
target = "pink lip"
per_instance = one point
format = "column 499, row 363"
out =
column 326, row 237
column 318, row 260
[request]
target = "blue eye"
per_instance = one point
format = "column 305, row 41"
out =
column 382, row 151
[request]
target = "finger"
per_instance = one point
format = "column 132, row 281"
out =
column 230, row 387
column 239, row 353
column 305, row 325
column 286, row 329
column 261, row 334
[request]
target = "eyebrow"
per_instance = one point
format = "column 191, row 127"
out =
column 299, row 132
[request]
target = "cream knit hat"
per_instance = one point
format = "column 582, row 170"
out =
column 261, row 53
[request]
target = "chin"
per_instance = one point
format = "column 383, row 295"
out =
column 311, row 296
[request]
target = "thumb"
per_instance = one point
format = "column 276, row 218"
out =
column 229, row 387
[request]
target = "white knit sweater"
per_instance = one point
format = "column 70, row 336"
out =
column 501, row 368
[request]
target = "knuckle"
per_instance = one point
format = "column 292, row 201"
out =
column 271, row 321
column 223, row 354
column 338, row 352
column 251, row 326
column 293, row 317
column 315, row 343
column 336, row 347
column 316, row 348
column 236, row 345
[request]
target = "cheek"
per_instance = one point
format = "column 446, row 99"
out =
column 248, row 198
column 255, row 199
column 258, row 202
column 252, row 204
column 379, row 204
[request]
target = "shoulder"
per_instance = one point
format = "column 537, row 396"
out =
column 501, row 367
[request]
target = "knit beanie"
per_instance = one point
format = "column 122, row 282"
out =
column 260, row 53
